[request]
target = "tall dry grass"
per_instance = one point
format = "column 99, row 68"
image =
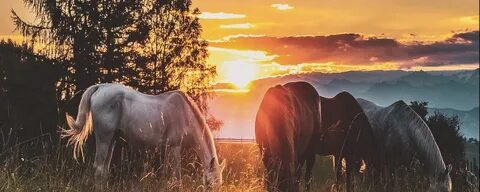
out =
column 38, row 166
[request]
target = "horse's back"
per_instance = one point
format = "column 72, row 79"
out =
column 348, row 101
column 302, row 88
column 399, row 117
column 391, row 125
column 404, row 134
column 148, row 119
column 342, row 107
column 343, row 119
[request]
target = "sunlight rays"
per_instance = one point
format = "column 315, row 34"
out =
column 240, row 73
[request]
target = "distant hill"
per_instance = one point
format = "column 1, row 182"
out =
column 440, row 90
column 452, row 92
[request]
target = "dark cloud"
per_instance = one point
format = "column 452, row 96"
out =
column 351, row 48
column 468, row 36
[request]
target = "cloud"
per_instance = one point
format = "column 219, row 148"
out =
column 237, row 26
column 470, row 20
column 221, row 55
column 282, row 7
column 220, row 15
column 358, row 49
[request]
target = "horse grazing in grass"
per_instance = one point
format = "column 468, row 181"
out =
column 345, row 134
column 285, row 122
column 404, row 135
column 169, row 120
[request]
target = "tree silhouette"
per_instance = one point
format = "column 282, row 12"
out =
column 28, row 106
column 420, row 107
column 151, row 45
column 446, row 131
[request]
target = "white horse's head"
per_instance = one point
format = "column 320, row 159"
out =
column 213, row 175
column 443, row 183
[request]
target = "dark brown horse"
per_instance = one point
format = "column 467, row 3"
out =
column 345, row 134
column 294, row 123
column 285, row 122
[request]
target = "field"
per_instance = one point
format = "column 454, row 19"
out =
column 56, row 171
column 244, row 169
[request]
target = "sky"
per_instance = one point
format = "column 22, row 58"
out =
column 269, row 38
column 252, row 39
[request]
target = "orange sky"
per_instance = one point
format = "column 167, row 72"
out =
column 405, row 21
column 429, row 19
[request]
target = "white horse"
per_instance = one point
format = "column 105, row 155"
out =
column 170, row 120
column 404, row 134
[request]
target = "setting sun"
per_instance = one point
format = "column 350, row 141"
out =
column 239, row 73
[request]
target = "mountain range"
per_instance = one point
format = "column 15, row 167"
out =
column 450, row 92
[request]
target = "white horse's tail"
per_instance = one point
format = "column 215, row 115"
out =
column 81, row 128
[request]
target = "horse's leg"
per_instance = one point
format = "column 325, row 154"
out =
column 308, row 171
column 298, row 171
column 105, row 144
column 351, row 169
column 349, row 175
column 269, row 178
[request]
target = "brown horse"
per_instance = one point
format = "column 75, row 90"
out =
column 285, row 122
column 294, row 123
column 346, row 134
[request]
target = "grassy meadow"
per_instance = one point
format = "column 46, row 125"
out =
column 57, row 171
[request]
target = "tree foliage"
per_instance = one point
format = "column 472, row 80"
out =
column 28, row 107
column 446, row 131
column 151, row 45
column 420, row 107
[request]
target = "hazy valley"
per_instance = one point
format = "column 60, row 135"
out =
column 450, row 92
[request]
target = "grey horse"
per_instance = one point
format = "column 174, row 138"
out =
column 169, row 119
column 403, row 134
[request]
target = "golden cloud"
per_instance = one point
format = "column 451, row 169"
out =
column 220, row 15
column 237, row 26
column 282, row 7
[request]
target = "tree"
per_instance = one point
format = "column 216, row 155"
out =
column 420, row 107
column 28, row 105
column 151, row 45
column 174, row 52
column 91, row 35
column 446, row 131
column 472, row 140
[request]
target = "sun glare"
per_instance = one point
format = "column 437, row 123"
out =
column 240, row 73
